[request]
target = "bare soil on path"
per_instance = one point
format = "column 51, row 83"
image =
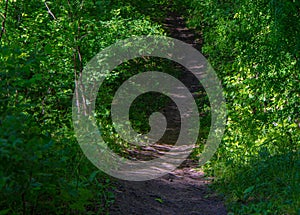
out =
column 185, row 190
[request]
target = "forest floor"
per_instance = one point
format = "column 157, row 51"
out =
column 185, row 190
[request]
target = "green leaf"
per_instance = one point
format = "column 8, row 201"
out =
column 249, row 189
column 159, row 200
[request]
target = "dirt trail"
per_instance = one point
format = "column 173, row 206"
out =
column 185, row 190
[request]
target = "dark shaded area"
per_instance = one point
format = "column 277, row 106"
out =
column 183, row 192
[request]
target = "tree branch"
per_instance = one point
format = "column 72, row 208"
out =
column 49, row 11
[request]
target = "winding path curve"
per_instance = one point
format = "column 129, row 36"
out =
column 185, row 190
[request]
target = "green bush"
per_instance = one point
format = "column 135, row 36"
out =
column 44, row 48
column 254, row 47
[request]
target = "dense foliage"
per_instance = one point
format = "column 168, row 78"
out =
column 44, row 47
column 254, row 46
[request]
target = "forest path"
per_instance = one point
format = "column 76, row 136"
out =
column 185, row 190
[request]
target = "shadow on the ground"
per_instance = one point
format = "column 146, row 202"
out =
column 185, row 190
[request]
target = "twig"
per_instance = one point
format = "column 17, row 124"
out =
column 4, row 20
column 76, row 84
column 49, row 11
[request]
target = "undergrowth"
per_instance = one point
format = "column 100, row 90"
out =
column 254, row 48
